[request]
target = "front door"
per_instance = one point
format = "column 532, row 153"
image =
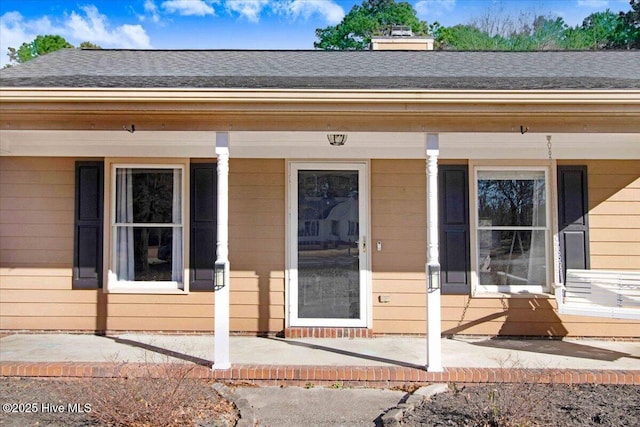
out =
column 328, row 256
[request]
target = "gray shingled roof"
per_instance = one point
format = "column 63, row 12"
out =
column 328, row 69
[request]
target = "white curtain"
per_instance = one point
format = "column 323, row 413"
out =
column 124, row 234
column 537, row 259
column 176, row 246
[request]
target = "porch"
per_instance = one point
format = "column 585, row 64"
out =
column 379, row 362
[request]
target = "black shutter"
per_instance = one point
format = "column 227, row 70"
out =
column 87, row 248
column 453, row 207
column 573, row 223
column 203, row 237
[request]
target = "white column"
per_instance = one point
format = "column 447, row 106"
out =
column 434, row 346
column 221, row 311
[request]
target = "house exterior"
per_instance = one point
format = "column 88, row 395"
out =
column 126, row 176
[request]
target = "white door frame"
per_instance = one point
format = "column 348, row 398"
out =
column 362, row 167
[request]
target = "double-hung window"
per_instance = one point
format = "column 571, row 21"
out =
column 147, row 227
column 512, row 230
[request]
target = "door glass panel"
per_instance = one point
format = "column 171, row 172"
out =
column 328, row 253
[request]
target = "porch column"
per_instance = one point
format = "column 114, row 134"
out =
column 434, row 347
column 221, row 311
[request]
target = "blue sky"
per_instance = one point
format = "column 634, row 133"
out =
column 236, row 24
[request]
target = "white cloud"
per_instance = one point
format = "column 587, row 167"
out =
column 250, row 9
column 430, row 9
column 89, row 25
column 95, row 27
column 15, row 31
column 188, row 7
column 597, row 4
column 328, row 9
column 152, row 10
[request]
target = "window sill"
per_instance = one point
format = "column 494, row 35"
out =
column 147, row 291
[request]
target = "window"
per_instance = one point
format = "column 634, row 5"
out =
column 511, row 230
column 147, row 227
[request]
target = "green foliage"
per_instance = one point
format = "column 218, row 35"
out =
column 600, row 30
column 89, row 45
column 467, row 37
column 373, row 17
column 628, row 30
column 548, row 33
column 41, row 45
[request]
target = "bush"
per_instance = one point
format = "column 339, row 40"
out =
column 163, row 396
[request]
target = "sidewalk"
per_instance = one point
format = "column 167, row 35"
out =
column 378, row 362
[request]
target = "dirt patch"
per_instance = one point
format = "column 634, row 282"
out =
column 82, row 402
column 507, row 405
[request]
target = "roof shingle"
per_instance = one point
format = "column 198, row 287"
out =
column 328, row 69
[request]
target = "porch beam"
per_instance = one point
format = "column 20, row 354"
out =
column 604, row 119
column 221, row 307
column 434, row 329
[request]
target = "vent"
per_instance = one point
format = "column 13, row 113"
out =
column 401, row 31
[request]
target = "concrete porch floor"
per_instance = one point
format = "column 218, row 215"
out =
column 275, row 361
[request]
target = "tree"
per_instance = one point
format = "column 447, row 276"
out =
column 467, row 37
column 373, row 17
column 600, row 30
column 41, row 45
column 548, row 34
column 89, row 45
column 496, row 31
column 629, row 27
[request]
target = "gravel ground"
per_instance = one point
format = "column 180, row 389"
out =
column 90, row 402
column 531, row 405
column 76, row 403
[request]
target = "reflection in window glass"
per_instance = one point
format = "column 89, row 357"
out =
column 512, row 233
column 328, row 256
column 148, row 229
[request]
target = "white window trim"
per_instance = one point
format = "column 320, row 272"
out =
column 138, row 287
column 528, row 291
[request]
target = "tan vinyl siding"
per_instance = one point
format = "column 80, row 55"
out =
column 256, row 253
column 257, row 244
column 36, row 247
column 36, row 252
column 614, row 234
column 36, row 212
column 398, row 220
column 398, row 271
column 614, row 213
column 524, row 317
column 36, row 256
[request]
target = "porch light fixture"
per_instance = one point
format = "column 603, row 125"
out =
column 434, row 276
column 337, row 139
